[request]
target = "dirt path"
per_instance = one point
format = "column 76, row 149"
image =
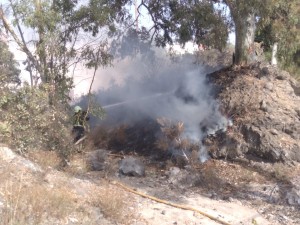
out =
column 229, row 212
column 154, row 212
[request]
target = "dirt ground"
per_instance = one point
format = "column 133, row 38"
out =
column 215, row 192
column 231, row 192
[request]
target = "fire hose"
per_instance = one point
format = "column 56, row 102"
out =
column 185, row 207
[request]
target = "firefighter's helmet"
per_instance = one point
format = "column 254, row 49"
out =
column 77, row 109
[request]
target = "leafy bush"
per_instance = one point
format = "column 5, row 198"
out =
column 29, row 122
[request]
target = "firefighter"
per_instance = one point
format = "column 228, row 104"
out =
column 79, row 123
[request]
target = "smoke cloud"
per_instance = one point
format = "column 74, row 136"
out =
column 154, row 85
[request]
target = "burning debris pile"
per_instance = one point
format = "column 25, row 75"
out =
column 162, row 108
column 160, row 139
column 258, row 118
column 263, row 103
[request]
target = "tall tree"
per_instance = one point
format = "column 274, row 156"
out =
column 58, row 27
column 207, row 22
column 281, row 31
column 9, row 71
column 204, row 22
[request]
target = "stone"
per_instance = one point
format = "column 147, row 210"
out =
column 7, row 154
column 132, row 167
column 269, row 86
column 293, row 197
column 96, row 160
column 298, row 112
column 264, row 106
column 174, row 171
column 265, row 71
column 296, row 88
column 274, row 132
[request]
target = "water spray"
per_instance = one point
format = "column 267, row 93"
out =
column 137, row 100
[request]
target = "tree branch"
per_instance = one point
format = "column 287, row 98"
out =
column 22, row 38
column 23, row 46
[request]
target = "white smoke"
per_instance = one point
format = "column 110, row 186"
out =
column 154, row 85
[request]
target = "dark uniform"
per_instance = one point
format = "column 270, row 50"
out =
column 79, row 121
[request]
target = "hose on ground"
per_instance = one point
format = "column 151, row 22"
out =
column 185, row 207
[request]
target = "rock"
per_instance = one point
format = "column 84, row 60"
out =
column 274, row 132
column 174, row 171
column 96, row 160
column 269, row 86
column 266, row 120
column 298, row 112
column 265, row 71
column 283, row 75
column 7, row 154
column 296, row 88
column 263, row 106
column 182, row 178
column 132, row 167
column 293, row 197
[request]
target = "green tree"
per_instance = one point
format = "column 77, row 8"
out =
column 58, row 27
column 208, row 23
column 182, row 21
column 282, row 29
column 205, row 22
column 9, row 71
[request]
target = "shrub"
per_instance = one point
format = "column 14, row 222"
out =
column 29, row 122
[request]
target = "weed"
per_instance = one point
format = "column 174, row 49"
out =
column 114, row 204
column 45, row 159
column 282, row 172
column 33, row 204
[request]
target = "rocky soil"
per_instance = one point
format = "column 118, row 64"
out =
column 264, row 105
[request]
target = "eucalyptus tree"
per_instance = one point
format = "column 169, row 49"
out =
column 207, row 22
column 280, row 32
column 53, row 34
column 9, row 67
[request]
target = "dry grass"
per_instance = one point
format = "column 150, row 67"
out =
column 218, row 174
column 171, row 133
column 169, row 129
column 45, row 159
column 33, row 204
column 115, row 205
column 284, row 172
column 78, row 165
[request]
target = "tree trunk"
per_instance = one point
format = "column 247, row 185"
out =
column 244, row 20
column 41, row 51
column 22, row 45
column 274, row 53
column 245, row 33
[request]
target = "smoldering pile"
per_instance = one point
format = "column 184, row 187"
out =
column 163, row 108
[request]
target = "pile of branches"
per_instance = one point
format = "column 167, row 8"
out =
column 161, row 137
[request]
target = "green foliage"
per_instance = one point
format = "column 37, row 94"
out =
column 95, row 108
column 95, row 57
column 31, row 123
column 9, row 72
column 183, row 21
column 58, row 26
column 281, row 24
